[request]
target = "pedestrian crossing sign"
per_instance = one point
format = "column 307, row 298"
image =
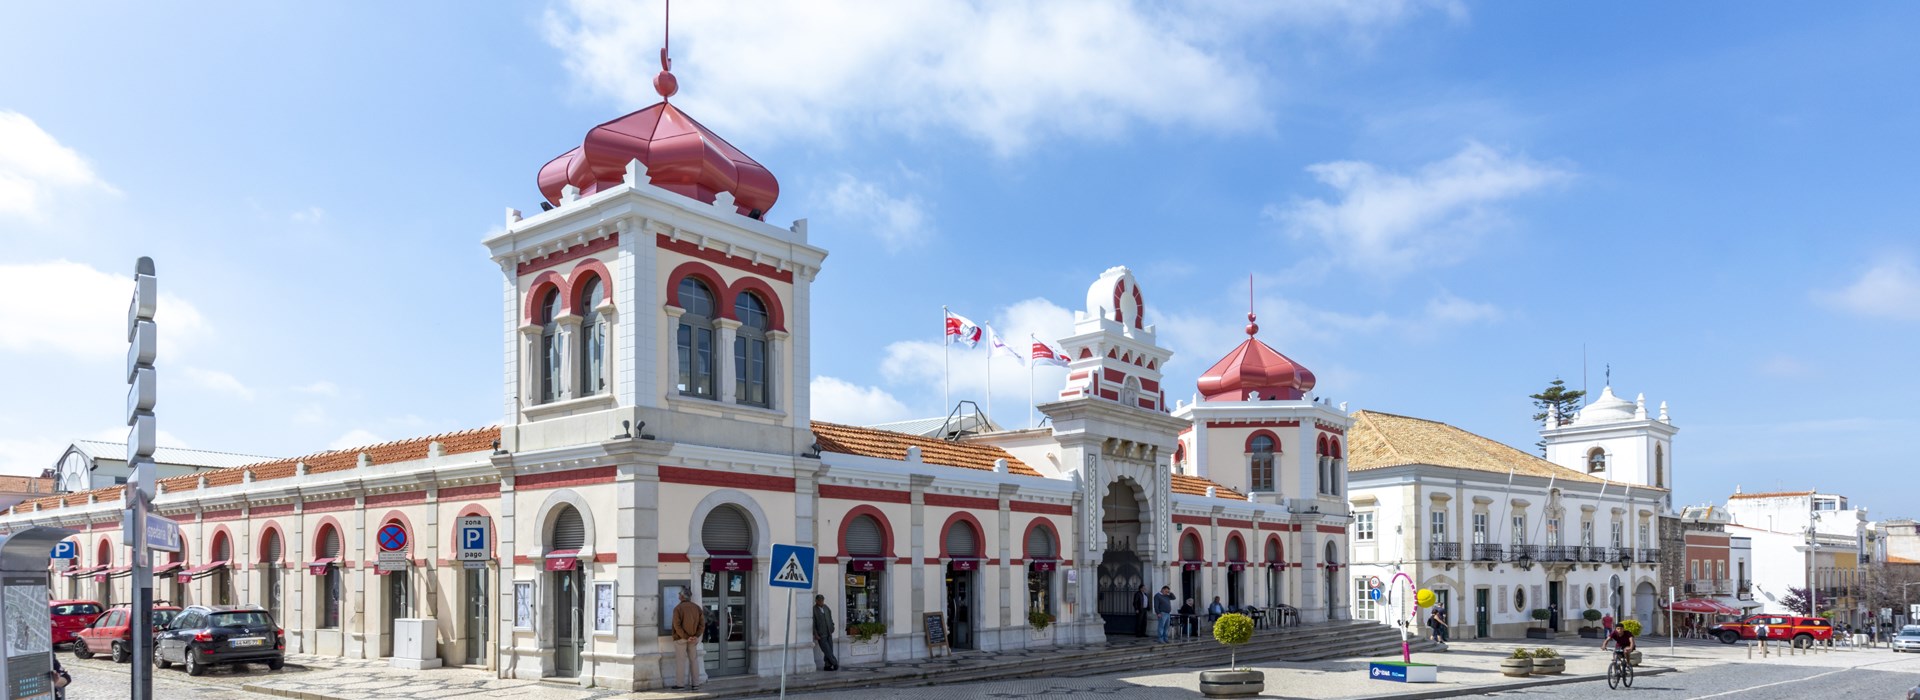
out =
column 792, row 567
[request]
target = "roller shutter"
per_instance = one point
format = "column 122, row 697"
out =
column 569, row 532
column 330, row 544
column 962, row 540
column 1190, row 548
column 864, row 537
column 1040, row 544
column 727, row 530
column 1235, row 552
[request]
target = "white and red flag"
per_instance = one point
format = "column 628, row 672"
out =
column 961, row 330
column 1044, row 354
column 993, row 342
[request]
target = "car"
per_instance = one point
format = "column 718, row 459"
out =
column 112, row 633
column 204, row 636
column 1908, row 639
column 1800, row 631
column 71, row 616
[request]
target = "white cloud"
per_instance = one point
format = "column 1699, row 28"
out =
column 840, row 401
column 309, row 215
column 218, row 381
column 28, row 456
column 90, row 316
column 1388, row 223
column 161, row 438
column 1889, row 289
column 319, row 388
column 923, row 365
column 1005, row 74
column 1198, row 340
column 309, row 415
column 33, row 166
column 354, row 438
column 898, row 222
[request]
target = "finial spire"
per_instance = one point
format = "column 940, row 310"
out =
column 665, row 83
column 1252, row 327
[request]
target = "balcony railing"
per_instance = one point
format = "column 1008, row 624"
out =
column 1486, row 552
column 1707, row 586
column 1443, row 551
column 1649, row 556
column 1591, row 554
column 1523, row 552
column 1555, row 552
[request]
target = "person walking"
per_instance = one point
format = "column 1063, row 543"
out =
column 823, row 631
column 1142, row 606
column 1760, row 632
column 688, row 622
column 1437, row 624
column 1163, row 607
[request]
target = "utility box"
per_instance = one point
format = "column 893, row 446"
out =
column 415, row 644
column 26, row 626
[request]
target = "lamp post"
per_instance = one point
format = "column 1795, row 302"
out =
column 1813, row 564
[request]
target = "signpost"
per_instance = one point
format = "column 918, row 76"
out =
column 143, row 531
column 473, row 539
column 793, row 570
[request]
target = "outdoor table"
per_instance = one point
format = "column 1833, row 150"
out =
column 1259, row 616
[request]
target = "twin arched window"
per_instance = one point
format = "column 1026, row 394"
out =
column 1260, row 471
column 550, row 346
column 593, row 342
column 750, row 351
column 752, row 355
column 696, row 339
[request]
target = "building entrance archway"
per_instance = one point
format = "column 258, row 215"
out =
column 1123, row 521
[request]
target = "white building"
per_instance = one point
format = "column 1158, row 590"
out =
column 1498, row 533
column 1803, row 539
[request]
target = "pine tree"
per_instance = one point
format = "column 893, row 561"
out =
column 1558, row 401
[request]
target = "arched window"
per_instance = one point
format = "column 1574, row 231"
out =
column 1179, row 456
column 550, row 347
column 750, row 361
column 593, row 341
column 331, row 580
column 696, row 339
column 1331, row 481
column 1260, row 475
column 1596, row 460
column 222, row 579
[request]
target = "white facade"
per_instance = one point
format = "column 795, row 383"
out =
column 1616, row 440
column 1785, row 528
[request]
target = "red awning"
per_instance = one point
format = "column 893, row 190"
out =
column 1236, row 566
column 963, row 564
column 730, row 561
column 1043, row 564
column 118, row 571
column 1702, row 606
column 198, row 571
column 169, row 566
column 84, row 572
column 562, row 560
column 318, row 567
column 866, row 564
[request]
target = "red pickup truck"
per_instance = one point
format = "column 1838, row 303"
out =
column 1800, row 631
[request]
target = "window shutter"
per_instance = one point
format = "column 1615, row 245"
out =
column 1190, row 549
column 569, row 532
column 962, row 541
column 330, row 544
column 271, row 552
column 864, row 537
column 1234, row 552
column 727, row 530
column 1040, row 544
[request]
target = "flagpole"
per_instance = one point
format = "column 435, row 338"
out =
column 1030, row 388
column 989, row 384
column 946, row 377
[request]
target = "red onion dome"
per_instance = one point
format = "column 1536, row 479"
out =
column 1255, row 368
column 680, row 155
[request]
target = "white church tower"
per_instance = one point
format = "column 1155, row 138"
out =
column 1615, row 439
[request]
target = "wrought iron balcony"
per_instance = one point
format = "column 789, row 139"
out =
column 1649, row 556
column 1523, row 552
column 1555, row 552
column 1443, row 551
column 1486, row 552
column 1621, row 555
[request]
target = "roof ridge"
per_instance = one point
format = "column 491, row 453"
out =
column 173, row 447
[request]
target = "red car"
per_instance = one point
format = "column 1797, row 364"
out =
column 112, row 634
column 71, row 616
column 1793, row 629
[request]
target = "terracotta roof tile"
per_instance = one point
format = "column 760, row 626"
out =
column 1196, row 486
column 882, row 444
column 1381, row 440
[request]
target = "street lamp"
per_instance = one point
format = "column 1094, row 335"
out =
column 1813, row 564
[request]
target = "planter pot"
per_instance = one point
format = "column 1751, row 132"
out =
column 1539, row 633
column 1592, row 634
column 1633, row 658
column 1516, row 667
column 1226, row 684
column 1549, row 667
column 1041, row 635
column 870, row 650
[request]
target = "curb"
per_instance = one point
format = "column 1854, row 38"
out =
column 1504, row 687
column 277, row 692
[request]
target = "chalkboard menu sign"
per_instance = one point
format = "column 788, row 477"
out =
column 936, row 630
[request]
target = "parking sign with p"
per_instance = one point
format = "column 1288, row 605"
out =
column 473, row 538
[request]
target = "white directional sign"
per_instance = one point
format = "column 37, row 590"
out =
column 473, row 538
column 792, row 567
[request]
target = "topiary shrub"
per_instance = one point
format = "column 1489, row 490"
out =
column 1632, row 626
column 1233, row 630
column 1545, row 653
column 1591, row 615
column 1519, row 653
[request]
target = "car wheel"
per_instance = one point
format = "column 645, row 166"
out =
column 194, row 667
column 80, row 652
column 276, row 664
column 121, row 654
column 1803, row 641
column 159, row 660
column 1729, row 637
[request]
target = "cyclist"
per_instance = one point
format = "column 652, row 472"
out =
column 1622, row 641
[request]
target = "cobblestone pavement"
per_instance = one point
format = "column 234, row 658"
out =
column 100, row 679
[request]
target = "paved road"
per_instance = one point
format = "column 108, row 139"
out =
column 1872, row 677
column 100, row 679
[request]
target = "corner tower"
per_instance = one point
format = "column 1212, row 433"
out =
column 1615, row 439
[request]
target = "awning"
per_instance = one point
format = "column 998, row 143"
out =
column 1043, row 564
column 1701, row 606
column 867, row 564
column 970, row 564
column 730, row 561
column 1190, row 566
column 115, row 572
column 169, row 566
column 75, row 573
column 199, row 571
column 563, row 560
column 1236, row 566
column 318, row 567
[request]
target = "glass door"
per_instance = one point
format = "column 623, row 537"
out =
column 725, row 596
column 960, row 609
column 568, row 602
column 477, row 622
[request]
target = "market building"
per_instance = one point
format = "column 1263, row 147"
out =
column 657, row 438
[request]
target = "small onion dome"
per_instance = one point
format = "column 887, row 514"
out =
column 1609, row 408
column 1255, row 368
column 680, row 155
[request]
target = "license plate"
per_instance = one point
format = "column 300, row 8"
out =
column 247, row 642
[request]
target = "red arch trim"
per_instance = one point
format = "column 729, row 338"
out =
column 105, row 552
column 1119, row 288
column 1278, row 447
column 1040, row 522
column 1333, row 448
column 1199, row 545
column 1139, row 307
column 320, row 534
column 538, row 290
column 968, row 517
column 1233, row 537
column 220, row 533
column 273, row 528
column 776, row 316
column 577, row 282
column 886, row 529
column 702, row 272
column 1279, row 549
column 493, row 537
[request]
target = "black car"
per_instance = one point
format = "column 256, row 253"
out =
column 202, row 636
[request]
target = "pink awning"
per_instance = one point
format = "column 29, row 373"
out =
column 169, row 566
column 318, row 567
column 562, row 560
column 189, row 574
column 1702, row 606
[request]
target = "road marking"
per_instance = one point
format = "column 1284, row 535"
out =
column 1794, row 680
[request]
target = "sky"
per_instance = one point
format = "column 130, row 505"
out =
column 1442, row 205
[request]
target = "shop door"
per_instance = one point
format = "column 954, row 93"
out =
column 476, row 614
column 960, row 609
column 1120, row 583
column 725, row 595
column 1480, row 613
column 568, row 605
column 1553, row 605
column 399, row 605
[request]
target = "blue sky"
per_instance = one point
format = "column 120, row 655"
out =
column 1442, row 204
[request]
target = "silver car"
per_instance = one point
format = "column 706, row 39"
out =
column 1908, row 639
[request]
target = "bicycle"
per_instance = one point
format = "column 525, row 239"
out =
column 1620, row 672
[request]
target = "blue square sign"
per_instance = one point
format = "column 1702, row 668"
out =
column 792, row 567
column 64, row 549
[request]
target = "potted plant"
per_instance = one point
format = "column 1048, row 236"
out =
column 1547, row 662
column 865, row 641
column 1541, row 632
column 1519, row 664
column 1634, row 627
column 1591, row 631
column 1233, row 630
column 864, row 632
column 1038, row 621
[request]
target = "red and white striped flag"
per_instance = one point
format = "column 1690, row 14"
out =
column 1044, row 354
column 959, row 329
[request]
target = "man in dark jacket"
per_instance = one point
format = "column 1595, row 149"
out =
column 823, row 631
column 1142, row 607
